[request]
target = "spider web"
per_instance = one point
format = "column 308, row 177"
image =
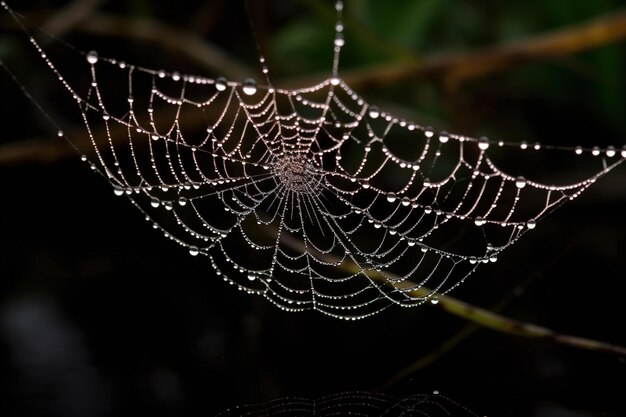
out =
column 310, row 197
column 355, row 404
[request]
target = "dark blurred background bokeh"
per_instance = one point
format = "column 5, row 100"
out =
column 99, row 315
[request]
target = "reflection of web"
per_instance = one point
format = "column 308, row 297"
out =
column 311, row 197
column 355, row 404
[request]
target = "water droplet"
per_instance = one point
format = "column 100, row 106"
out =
column 221, row 83
column 168, row 205
column 391, row 197
column 339, row 40
column 182, row 201
column 194, row 251
column 365, row 185
column 406, row 201
column 623, row 151
column 92, row 57
column 483, row 143
column 611, row 151
column 523, row 145
column 251, row 277
column 176, row 76
column 155, row 137
column 249, row 87
column 428, row 132
column 118, row 191
column 60, row 133
column 531, row 224
column 335, row 80
column 595, row 151
column 83, row 158
column 154, row 202
column 493, row 258
column 339, row 6
column 374, row 112
column 428, row 209
column 578, row 150
column 479, row 221
column 434, row 300
column 520, row 182
column 443, row 137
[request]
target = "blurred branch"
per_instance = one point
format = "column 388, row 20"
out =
column 453, row 68
column 504, row 324
column 46, row 150
column 471, row 328
column 469, row 312
column 149, row 30
column 144, row 29
column 70, row 15
column 51, row 149
column 456, row 68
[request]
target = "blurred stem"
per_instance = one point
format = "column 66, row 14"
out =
column 454, row 69
column 71, row 15
column 470, row 328
column 503, row 324
column 150, row 30
column 469, row 312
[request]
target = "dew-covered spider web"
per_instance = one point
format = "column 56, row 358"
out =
column 311, row 197
column 361, row 404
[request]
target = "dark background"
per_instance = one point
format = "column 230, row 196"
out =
column 99, row 315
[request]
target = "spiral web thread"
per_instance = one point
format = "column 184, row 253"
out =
column 356, row 404
column 310, row 197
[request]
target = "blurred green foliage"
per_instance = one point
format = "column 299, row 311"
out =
column 394, row 32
